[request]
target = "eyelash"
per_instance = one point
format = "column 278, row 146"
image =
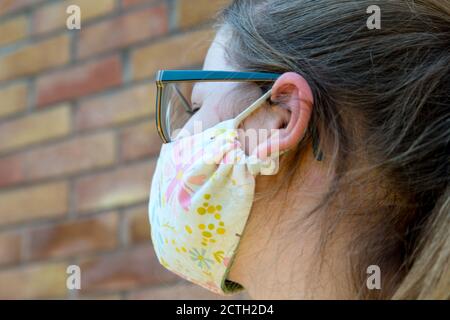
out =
column 264, row 87
column 196, row 107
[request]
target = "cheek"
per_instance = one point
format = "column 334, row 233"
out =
column 226, row 107
column 204, row 118
column 220, row 105
column 235, row 100
column 219, row 109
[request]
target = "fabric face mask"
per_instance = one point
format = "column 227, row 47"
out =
column 201, row 195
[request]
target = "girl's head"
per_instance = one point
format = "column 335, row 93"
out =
column 365, row 115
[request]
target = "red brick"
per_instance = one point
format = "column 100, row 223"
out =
column 53, row 16
column 204, row 10
column 79, row 81
column 115, row 188
column 13, row 98
column 35, row 58
column 10, row 247
column 116, row 108
column 123, row 270
column 9, row 6
column 34, row 282
column 137, row 225
column 129, row 3
column 13, row 30
column 140, row 141
column 73, row 156
column 182, row 50
column 11, row 170
column 74, row 237
column 34, row 202
column 123, row 31
column 37, row 127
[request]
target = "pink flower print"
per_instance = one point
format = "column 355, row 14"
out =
column 226, row 261
column 180, row 185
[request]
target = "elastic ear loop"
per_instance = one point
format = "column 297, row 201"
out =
column 255, row 105
column 318, row 155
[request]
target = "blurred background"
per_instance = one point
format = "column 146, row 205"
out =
column 78, row 143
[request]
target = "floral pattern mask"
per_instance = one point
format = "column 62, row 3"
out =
column 201, row 196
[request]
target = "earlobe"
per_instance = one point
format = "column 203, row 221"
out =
column 290, row 91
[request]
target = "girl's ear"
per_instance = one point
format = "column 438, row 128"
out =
column 291, row 95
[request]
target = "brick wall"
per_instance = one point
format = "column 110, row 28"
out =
column 78, row 143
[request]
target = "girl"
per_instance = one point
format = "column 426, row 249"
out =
column 359, row 205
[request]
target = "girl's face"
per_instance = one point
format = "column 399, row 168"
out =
column 277, row 255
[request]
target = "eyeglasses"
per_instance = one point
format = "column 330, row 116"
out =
column 174, row 90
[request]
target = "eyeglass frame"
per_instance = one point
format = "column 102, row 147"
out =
column 164, row 77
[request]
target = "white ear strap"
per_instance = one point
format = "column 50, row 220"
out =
column 258, row 103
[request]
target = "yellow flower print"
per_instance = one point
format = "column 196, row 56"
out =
column 178, row 249
column 208, row 273
column 218, row 255
column 221, row 229
column 168, row 226
column 164, row 263
column 209, row 231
